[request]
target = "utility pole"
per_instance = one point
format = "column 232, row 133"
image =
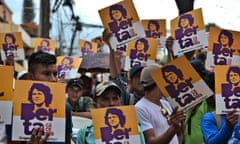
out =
column 44, row 18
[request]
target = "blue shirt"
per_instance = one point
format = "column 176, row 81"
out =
column 214, row 135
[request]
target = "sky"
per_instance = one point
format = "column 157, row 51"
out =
column 222, row 12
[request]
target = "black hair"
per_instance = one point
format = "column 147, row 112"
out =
column 41, row 58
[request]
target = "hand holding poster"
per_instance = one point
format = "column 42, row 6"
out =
column 115, row 125
column 68, row 66
column 223, row 47
column 188, row 30
column 123, row 22
column 181, row 84
column 140, row 52
column 39, row 104
column 45, row 45
column 6, row 93
column 11, row 46
column 227, row 81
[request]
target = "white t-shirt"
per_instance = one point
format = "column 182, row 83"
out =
column 150, row 117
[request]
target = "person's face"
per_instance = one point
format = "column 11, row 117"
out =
column 9, row 39
column 117, row 15
column 44, row 44
column 113, row 119
column 87, row 46
column 224, row 39
column 66, row 62
column 108, row 99
column 38, row 97
column 74, row 93
column 234, row 77
column 152, row 27
column 136, row 84
column 44, row 73
column 140, row 45
column 171, row 76
column 184, row 22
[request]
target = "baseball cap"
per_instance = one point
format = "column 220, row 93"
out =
column 134, row 70
column 146, row 78
column 75, row 82
column 103, row 86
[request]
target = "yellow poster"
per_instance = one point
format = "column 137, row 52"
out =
column 68, row 66
column 188, row 30
column 115, row 125
column 122, row 20
column 181, row 84
column 140, row 52
column 223, row 47
column 11, row 46
column 154, row 28
column 45, row 45
column 87, row 47
column 40, row 104
column 6, row 93
column 227, row 88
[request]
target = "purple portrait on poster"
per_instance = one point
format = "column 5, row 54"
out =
column 65, row 67
column 121, row 26
column 87, row 48
column 153, row 29
column 231, row 90
column 10, row 46
column 115, row 130
column 179, row 88
column 40, row 98
column 186, row 34
column 139, row 53
column 222, row 51
column 44, row 46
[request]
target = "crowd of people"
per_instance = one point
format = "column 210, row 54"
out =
column 158, row 121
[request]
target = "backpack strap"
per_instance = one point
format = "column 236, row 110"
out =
column 217, row 118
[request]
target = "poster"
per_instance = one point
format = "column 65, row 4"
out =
column 223, row 47
column 115, row 125
column 122, row 20
column 188, row 30
column 11, row 46
column 227, row 87
column 155, row 28
column 181, row 84
column 87, row 47
column 6, row 93
column 68, row 66
column 38, row 103
column 140, row 52
column 45, row 45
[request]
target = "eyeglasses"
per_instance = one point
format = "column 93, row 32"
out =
column 166, row 114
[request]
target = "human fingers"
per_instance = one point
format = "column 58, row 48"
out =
column 44, row 140
column 33, row 135
column 231, row 119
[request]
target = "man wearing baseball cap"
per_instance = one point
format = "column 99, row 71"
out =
column 159, row 123
column 107, row 94
column 80, row 105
